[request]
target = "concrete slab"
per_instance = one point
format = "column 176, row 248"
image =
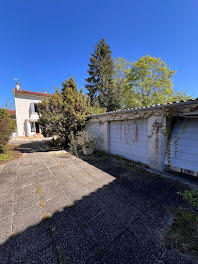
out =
column 55, row 207
column 6, row 208
column 6, row 228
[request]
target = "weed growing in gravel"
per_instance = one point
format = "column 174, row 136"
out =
column 191, row 197
column 53, row 230
column 183, row 233
column 39, row 190
column 61, row 255
column 100, row 251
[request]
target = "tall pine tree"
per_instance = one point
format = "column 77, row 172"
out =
column 100, row 82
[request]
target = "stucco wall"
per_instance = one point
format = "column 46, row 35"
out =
column 23, row 111
column 148, row 146
column 156, row 127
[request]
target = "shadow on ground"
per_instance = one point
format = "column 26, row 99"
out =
column 37, row 146
column 123, row 221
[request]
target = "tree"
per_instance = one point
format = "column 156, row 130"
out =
column 95, row 109
column 64, row 112
column 7, row 127
column 121, row 70
column 150, row 83
column 51, row 115
column 100, row 84
column 179, row 96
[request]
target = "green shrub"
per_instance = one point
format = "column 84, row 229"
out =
column 191, row 197
column 82, row 139
column 183, row 233
column 7, row 127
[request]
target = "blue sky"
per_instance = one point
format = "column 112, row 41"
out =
column 43, row 42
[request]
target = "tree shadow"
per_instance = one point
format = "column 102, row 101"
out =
column 38, row 146
column 121, row 220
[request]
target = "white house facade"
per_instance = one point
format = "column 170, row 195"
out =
column 26, row 111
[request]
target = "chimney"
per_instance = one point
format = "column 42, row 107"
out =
column 45, row 91
column 18, row 86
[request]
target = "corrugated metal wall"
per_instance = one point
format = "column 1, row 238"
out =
column 184, row 145
column 129, row 139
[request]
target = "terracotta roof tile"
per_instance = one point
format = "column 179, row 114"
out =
column 12, row 112
column 15, row 91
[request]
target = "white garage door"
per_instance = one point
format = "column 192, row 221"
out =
column 184, row 145
column 129, row 139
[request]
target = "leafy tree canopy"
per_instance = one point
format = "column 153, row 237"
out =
column 121, row 71
column 149, row 82
column 94, row 109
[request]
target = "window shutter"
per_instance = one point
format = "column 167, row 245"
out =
column 32, row 108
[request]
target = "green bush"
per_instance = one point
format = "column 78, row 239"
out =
column 82, row 139
column 183, row 233
column 7, row 127
column 191, row 197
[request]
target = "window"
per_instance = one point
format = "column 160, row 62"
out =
column 36, row 108
column 33, row 127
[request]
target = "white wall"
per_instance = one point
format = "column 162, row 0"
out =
column 156, row 141
column 151, row 141
column 129, row 139
column 23, row 111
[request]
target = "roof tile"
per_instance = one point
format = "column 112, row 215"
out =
column 15, row 91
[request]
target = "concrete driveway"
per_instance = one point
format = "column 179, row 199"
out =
column 56, row 208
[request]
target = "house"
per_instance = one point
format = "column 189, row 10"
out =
column 12, row 113
column 26, row 111
column 159, row 136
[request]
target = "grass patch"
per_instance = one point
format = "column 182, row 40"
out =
column 11, row 153
column 6, row 156
column 183, row 233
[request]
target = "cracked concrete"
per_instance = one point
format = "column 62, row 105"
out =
column 55, row 207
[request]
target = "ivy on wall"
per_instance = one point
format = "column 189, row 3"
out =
column 172, row 115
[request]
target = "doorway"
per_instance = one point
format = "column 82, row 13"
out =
column 37, row 128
